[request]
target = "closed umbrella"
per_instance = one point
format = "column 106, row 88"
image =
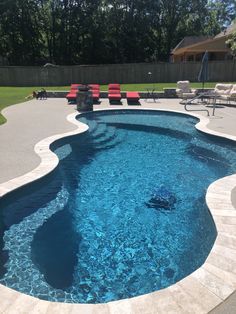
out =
column 203, row 75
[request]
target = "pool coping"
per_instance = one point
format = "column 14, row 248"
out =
column 199, row 292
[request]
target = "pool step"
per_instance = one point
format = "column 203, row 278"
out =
column 104, row 136
column 107, row 136
column 100, row 135
column 209, row 151
column 207, row 144
column 93, row 124
column 110, row 142
column 100, row 130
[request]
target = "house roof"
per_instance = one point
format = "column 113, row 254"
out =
column 190, row 40
column 194, row 41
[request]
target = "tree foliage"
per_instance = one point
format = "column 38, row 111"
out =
column 34, row 32
column 232, row 43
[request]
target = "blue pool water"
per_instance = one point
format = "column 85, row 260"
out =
column 123, row 214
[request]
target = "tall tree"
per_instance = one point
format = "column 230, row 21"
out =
column 232, row 43
column 104, row 31
column 20, row 31
column 225, row 11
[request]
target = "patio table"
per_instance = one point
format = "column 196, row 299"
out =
column 151, row 94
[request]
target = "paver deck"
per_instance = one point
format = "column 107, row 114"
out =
column 206, row 289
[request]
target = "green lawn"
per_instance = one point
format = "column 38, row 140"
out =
column 14, row 95
column 157, row 86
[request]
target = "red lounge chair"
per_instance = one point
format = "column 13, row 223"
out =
column 74, row 86
column 114, row 92
column 132, row 96
column 71, row 96
column 96, row 95
column 114, row 87
column 95, row 88
column 114, row 95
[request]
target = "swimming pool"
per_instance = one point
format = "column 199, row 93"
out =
column 99, row 216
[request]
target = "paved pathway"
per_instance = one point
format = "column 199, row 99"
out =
column 27, row 124
column 32, row 121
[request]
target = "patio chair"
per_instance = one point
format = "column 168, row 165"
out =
column 184, row 91
column 224, row 91
column 74, row 86
column 71, row 96
column 232, row 94
column 114, row 87
column 95, row 88
column 114, row 94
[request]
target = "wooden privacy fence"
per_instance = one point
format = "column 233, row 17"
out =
column 219, row 71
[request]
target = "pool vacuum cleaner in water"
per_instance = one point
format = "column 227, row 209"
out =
column 162, row 199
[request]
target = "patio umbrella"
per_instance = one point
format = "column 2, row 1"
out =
column 203, row 74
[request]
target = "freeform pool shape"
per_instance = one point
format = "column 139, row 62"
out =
column 88, row 233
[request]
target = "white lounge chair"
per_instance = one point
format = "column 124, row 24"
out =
column 184, row 91
column 223, row 89
column 226, row 92
column 232, row 94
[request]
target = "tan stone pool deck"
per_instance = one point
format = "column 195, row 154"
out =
column 25, row 139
